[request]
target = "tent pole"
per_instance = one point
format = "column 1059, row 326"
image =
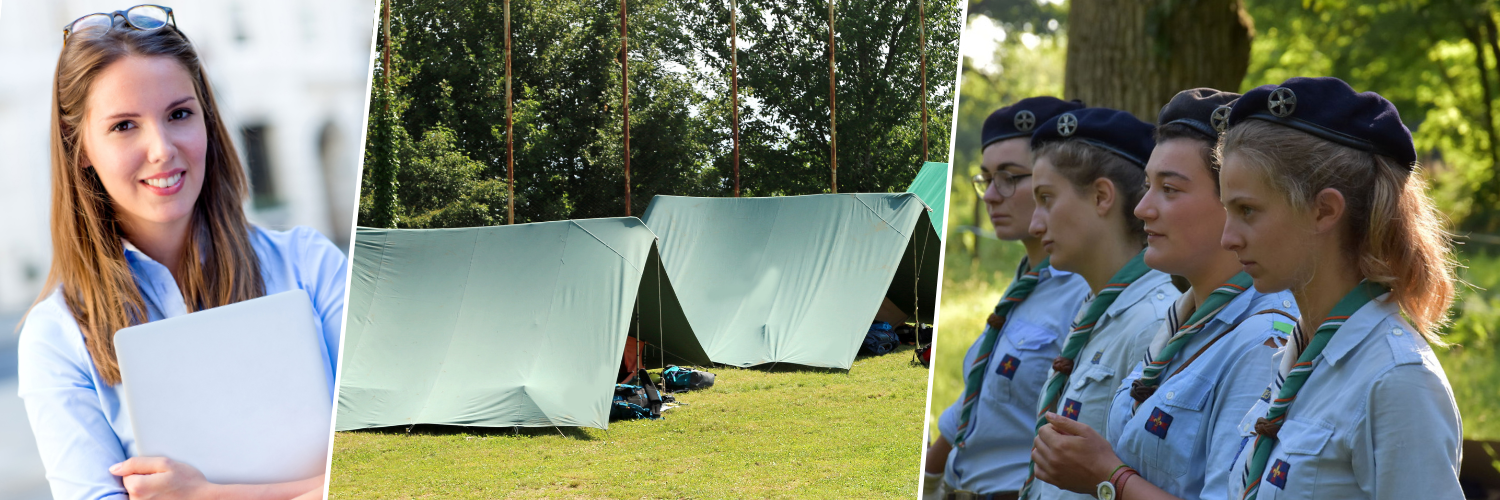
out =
column 734, row 89
column 625, row 96
column 922, row 47
column 510, row 143
column 833, row 150
column 386, row 68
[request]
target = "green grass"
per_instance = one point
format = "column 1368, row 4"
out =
column 755, row 434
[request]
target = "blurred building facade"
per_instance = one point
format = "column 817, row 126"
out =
column 292, row 80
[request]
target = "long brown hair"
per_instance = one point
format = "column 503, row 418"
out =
column 1394, row 232
column 88, row 260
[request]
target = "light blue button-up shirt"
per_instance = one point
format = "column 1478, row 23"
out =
column 1180, row 437
column 81, row 428
column 996, row 452
column 1376, row 419
column 1118, row 343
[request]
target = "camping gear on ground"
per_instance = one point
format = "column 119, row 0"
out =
column 923, row 355
column 242, row 392
column 918, row 334
column 931, row 185
column 632, row 402
column 504, row 326
column 679, row 379
column 795, row 279
column 880, row 339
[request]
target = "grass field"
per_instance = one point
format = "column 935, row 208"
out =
column 755, row 434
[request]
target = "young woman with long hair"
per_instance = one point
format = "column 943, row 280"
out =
column 147, row 223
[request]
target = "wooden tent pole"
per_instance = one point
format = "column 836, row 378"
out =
column 625, row 96
column 386, row 69
column 922, row 47
column 734, row 89
column 833, row 150
column 510, row 143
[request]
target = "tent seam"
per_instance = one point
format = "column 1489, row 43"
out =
column 882, row 219
column 606, row 245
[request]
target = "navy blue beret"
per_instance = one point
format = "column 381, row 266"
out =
column 1116, row 131
column 1195, row 109
column 1329, row 108
column 1020, row 119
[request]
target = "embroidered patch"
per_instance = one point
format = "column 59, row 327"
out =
column 1278, row 473
column 1008, row 366
column 1071, row 408
column 1097, row 355
column 1282, row 327
column 1159, row 422
column 1266, row 396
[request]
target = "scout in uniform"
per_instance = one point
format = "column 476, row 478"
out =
column 1174, row 426
column 992, row 422
column 1088, row 175
column 1325, row 198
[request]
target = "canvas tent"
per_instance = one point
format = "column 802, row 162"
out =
column 503, row 326
column 931, row 185
column 795, row 279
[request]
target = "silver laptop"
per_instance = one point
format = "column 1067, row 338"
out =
column 240, row 392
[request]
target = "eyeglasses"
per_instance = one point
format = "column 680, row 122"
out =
column 1005, row 183
column 141, row 17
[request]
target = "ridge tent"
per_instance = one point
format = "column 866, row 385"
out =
column 503, row 326
column 795, row 279
column 931, row 185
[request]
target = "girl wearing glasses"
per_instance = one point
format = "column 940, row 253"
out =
column 146, row 224
column 991, row 423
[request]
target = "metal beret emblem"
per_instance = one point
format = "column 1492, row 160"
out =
column 1067, row 124
column 1220, row 118
column 1282, row 102
column 1025, row 121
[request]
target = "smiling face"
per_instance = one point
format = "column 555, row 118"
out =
column 143, row 134
column 1181, row 209
column 1273, row 240
column 1010, row 215
column 1065, row 220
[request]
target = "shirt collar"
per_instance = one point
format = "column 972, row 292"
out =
column 1236, row 307
column 1144, row 287
column 1360, row 325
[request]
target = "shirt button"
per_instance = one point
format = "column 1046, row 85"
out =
column 1286, row 303
column 1160, row 296
column 1170, row 394
column 1396, row 331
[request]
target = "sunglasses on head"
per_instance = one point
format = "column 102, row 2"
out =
column 141, row 17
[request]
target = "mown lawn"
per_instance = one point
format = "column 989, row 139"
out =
column 755, row 434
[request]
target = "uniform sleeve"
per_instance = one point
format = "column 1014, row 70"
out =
column 322, row 270
column 1410, row 445
column 1242, row 386
column 75, row 440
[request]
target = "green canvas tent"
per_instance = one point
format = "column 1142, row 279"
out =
column 503, row 326
column 795, row 279
column 931, row 185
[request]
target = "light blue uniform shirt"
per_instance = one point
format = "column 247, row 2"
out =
column 1118, row 343
column 1192, row 420
column 81, row 428
column 998, row 447
column 1376, row 419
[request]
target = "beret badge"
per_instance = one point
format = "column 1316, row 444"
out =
column 1067, row 124
column 1220, row 118
column 1282, row 102
column 1025, row 120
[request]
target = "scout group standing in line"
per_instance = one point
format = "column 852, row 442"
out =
column 1296, row 365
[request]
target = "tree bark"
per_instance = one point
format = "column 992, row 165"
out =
column 1134, row 55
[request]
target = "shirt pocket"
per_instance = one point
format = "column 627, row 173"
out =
column 1174, row 424
column 1018, row 368
column 1094, row 389
column 1298, row 447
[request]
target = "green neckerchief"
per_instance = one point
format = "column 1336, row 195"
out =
column 1017, row 292
column 1264, row 442
column 1156, row 362
column 1083, row 330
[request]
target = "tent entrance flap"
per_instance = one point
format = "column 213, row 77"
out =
column 665, row 335
column 916, row 280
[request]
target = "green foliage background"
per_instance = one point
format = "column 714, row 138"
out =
column 1422, row 55
column 448, row 104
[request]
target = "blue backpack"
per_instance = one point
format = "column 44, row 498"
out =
column 633, row 402
column 881, row 339
column 679, row 379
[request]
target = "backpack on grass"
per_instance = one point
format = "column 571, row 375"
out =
column 678, row 379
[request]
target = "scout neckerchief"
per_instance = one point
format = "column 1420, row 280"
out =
column 1292, row 376
column 1083, row 330
column 1026, row 280
column 1174, row 335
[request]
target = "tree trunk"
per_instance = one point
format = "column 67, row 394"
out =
column 1134, row 55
